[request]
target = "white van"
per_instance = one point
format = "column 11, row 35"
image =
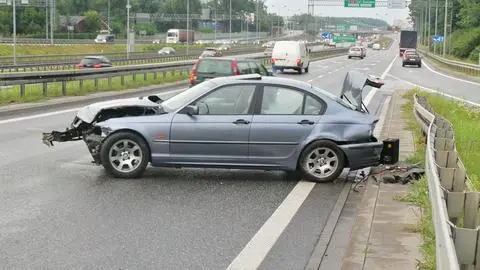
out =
column 290, row 55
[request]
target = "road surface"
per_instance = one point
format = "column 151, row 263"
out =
column 61, row 212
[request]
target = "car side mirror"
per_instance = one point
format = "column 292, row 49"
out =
column 192, row 110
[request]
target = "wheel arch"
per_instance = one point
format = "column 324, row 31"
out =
column 347, row 162
column 138, row 134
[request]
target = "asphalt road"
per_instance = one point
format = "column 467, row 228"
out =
column 58, row 211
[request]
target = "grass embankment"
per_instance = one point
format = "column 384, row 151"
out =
column 465, row 122
column 34, row 92
column 6, row 50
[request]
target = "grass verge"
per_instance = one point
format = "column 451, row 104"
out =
column 34, row 92
column 465, row 122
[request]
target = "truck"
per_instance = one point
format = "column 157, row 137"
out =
column 180, row 36
column 408, row 40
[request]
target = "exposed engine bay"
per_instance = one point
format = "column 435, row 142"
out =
column 82, row 127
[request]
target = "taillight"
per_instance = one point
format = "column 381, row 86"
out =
column 97, row 66
column 193, row 74
column 80, row 65
column 235, row 68
column 273, row 60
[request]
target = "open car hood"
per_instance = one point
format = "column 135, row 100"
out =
column 89, row 112
column 353, row 85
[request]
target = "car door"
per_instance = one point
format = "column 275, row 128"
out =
column 219, row 133
column 284, row 118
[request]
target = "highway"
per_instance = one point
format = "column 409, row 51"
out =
column 62, row 212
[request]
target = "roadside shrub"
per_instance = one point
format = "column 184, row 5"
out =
column 465, row 41
column 474, row 54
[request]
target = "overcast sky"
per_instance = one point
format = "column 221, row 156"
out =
column 382, row 13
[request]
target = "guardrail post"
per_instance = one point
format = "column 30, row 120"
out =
column 145, row 75
column 155, row 75
column 134, row 75
column 465, row 245
column 95, row 83
column 45, row 91
column 64, row 88
column 80, row 82
column 472, row 203
column 22, row 90
column 122, row 80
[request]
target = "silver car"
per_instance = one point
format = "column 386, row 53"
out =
column 246, row 121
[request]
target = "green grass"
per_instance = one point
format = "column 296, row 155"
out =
column 465, row 122
column 34, row 92
column 418, row 194
column 385, row 41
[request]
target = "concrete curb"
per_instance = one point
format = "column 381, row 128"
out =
column 72, row 101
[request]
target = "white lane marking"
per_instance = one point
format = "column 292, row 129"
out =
column 309, row 80
column 372, row 92
column 320, row 76
column 337, row 69
column 436, row 91
column 18, row 119
column 448, row 76
column 256, row 250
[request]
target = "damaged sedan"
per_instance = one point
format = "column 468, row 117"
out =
column 242, row 122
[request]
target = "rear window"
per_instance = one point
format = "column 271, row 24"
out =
column 244, row 68
column 212, row 66
column 90, row 61
column 355, row 49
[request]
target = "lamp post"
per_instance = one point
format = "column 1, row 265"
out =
column 128, row 28
column 188, row 23
column 14, row 33
column 230, row 22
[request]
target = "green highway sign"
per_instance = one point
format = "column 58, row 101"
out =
column 341, row 39
column 359, row 3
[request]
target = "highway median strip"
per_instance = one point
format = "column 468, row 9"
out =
column 464, row 119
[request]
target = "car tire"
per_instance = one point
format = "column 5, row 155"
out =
column 349, row 57
column 306, row 69
column 403, row 64
column 135, row 149
column 326, row 150
column 419, row 65
column 299, row 71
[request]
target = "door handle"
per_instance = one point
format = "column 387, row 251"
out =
column 241, row 121
column 306, row 122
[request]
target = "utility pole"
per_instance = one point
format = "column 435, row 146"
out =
column 188, row 24
column 436, row 17
column 230, row 22
column 429, row 27
column 258, row 20
column 14, row 33
column 128, row 28
column 46, row 20
column 108, row 16
column 215, row 38
column 52, row 17
column 445, row 28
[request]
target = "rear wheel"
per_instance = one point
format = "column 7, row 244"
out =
column 299, row 71
column 420, row 65
column 306, row 69
column 322, row 161
column 125, row 155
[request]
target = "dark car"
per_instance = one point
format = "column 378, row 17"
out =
column 209, row 68
column 411, row 58
column 94, row 62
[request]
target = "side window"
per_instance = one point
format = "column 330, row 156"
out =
column 258, row 68
column 243, row 68
column 278, row 100
column 227, row 100
column 312, row 106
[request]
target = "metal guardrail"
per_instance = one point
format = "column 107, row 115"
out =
column 455, row 206
column 115, row 58
column 471, row 69
column 21, row 80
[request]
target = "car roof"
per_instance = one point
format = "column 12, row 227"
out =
column 231, row 58
column 256, row 78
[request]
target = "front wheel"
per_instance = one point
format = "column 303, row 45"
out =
column 322, row 161
column 125, row 155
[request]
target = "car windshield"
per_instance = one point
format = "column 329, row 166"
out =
column 355, row 49
column 211, row 66
column 174, row 103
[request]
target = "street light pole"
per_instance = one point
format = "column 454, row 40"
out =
column 128, row 28
column 230, row 21
column 14, row 33
column 436, row 17
column 188, row 24
column 445, row 28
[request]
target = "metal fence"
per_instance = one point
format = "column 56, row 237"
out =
column 467, row 68
column 41, row 81
column 455, row 205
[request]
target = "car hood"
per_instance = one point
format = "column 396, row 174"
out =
column 352, row 89
column 89, row 112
